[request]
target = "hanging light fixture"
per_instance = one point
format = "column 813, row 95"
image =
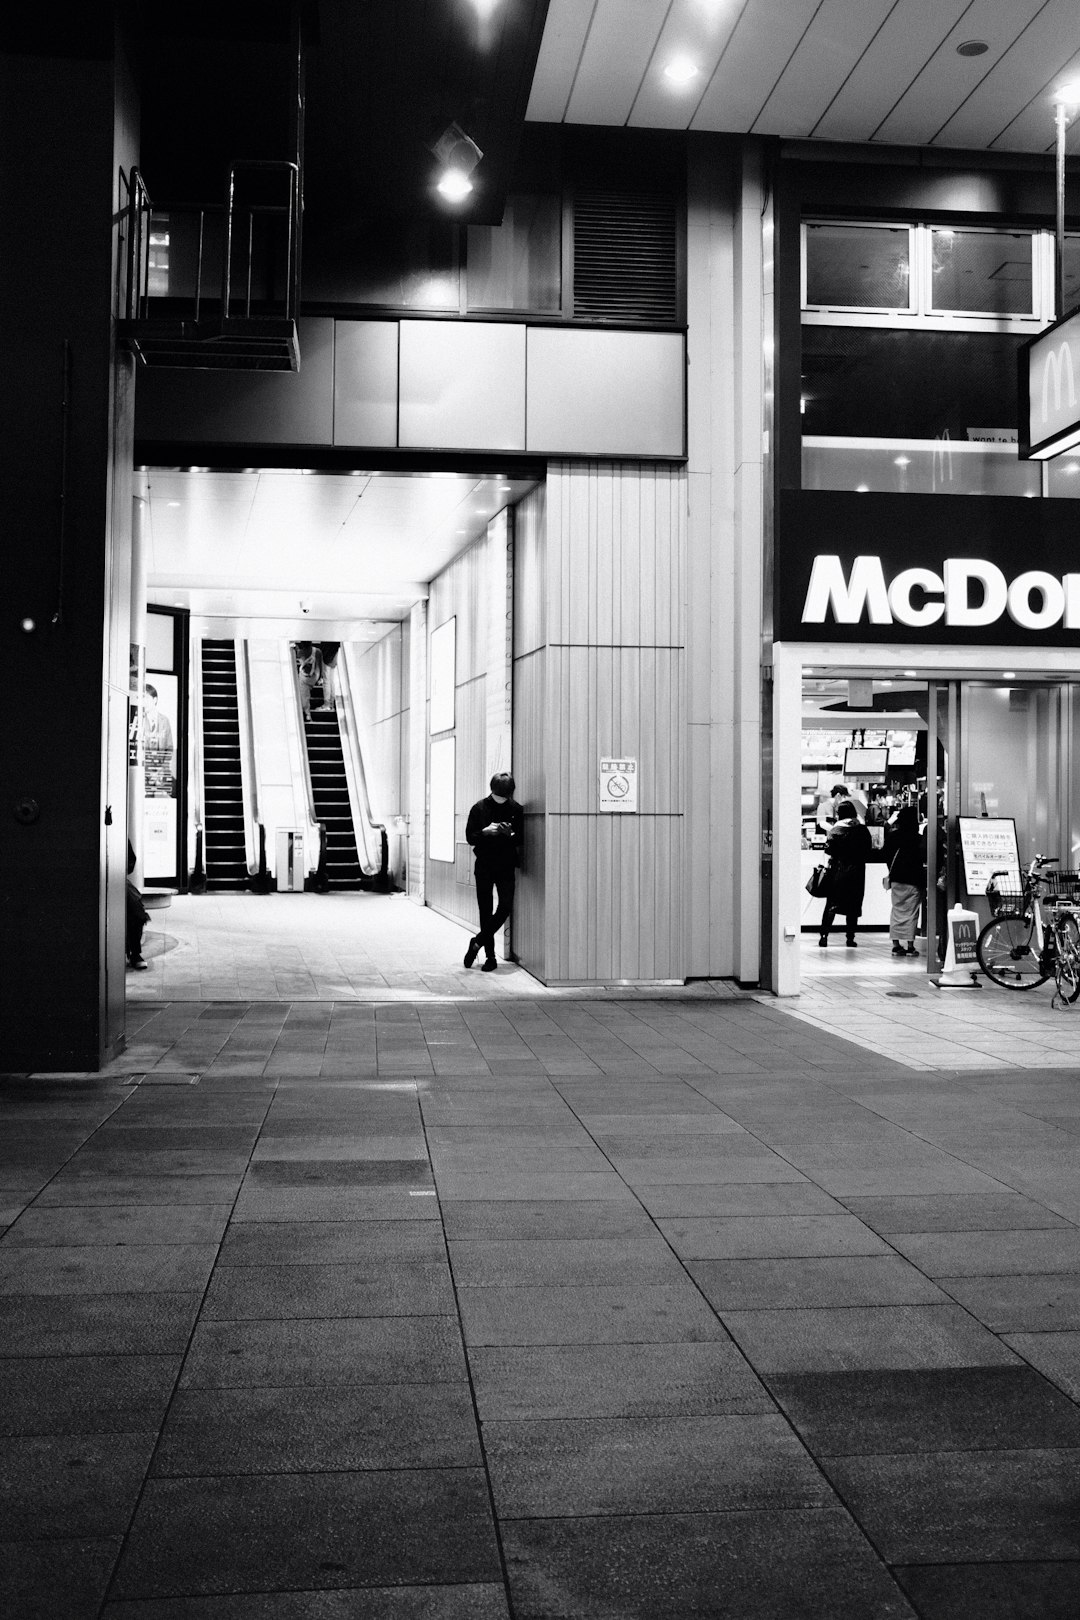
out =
column 458, row 156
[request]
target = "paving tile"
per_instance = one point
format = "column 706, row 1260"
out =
column 614, row 1380
column 1056, row 1355
column 593, row 1315
column 544, row 1219
column 386, row 1287
column 758, row 1566
column 993, row 1591
column 341, row 1352
column 958, row 1505
column 770, row 1236
column 847, row 1280
column 326, row 1429
column 648, row 1465
column 324, row 1203
column 946, row 1409
column 130, row 1268
column 1035, row 1304
column 476, row 1602
column 67, row 1486
column 120, row 1224
column 989, row 1254
column 333, row 1173
column 876, row 1337
column 86, row 1394
column 791, row 1195
column 56, row 1579
column 278, row 1532
column 262, row 1243
column 482, row 1263
column 96, row 1324
column 514, row 1186
column 75, row 1189
column 959, row 1212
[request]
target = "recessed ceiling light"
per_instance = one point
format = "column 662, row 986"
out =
column 1009, row 674
column 455, row 185
column 172, row 503
column 681, row 70
column 972, row 47
column 902, row 461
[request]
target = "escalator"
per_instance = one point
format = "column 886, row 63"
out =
column 330, row 793
column 223, row 795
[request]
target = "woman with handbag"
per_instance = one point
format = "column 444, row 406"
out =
column 849, row 847
column 905, row 852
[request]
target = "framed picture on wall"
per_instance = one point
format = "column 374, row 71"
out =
column 442, row 675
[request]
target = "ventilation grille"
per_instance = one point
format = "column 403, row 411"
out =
column 626, row 257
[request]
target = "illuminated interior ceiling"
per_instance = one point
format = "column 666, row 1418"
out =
column 253, row 543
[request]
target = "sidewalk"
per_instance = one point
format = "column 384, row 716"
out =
column 575, row 1308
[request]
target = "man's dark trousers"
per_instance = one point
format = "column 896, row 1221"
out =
column 492, row 880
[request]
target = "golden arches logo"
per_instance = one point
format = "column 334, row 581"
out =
column 1058, row 363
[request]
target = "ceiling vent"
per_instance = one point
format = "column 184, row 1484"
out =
column 626, row 261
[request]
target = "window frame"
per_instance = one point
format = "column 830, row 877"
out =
column 921, row 312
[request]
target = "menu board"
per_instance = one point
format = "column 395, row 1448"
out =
column 988, row 844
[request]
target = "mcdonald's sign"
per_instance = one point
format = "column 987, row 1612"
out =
column 1049, row 385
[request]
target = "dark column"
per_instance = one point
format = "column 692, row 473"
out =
column 68, row 128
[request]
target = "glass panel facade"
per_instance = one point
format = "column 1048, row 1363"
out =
column 982, row 272
column 858, row 266
column 518, row 264
column 939, row 467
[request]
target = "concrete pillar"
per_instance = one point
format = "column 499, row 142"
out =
column 65, row 513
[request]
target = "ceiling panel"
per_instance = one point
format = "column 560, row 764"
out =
column 699, row 31
column 948, row 80
column 1033, row 129
column 835, row 70
column 763, row 41
column 614, row 60
column 827, row 54
column 897, row 54
column 564, row 38
column 1025, row 74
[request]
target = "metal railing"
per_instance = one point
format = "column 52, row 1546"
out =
column 319, row 880
column 197, row 880
column 254, row 831
column 240, row 264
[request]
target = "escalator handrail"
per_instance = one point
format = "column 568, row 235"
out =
column 197, row 757
column 305, row 768
column 249, row 779
column 355, row 774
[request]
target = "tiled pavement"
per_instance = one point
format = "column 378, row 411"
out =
column 576, row 1309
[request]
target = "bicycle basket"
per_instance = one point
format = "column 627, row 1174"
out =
column 1062, row 885
column 1005, row 892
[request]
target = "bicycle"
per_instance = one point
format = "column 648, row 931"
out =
column 1020, row 948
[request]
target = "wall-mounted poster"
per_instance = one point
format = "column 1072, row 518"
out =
column 441, row 799
column 442, row 674
column 160, row 702
column 988, row 844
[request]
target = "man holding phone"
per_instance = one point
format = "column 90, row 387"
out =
column 495, row 831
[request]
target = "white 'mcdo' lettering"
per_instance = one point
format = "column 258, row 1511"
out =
column 1034, row 600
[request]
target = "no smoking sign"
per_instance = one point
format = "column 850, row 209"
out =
column 618, row 785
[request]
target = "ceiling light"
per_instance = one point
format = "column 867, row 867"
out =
column 1067, row 95
column 902, row 461
column 172, row 503
column 1009, row 674
column 681, row 70
column 972, row 47
column 458, row 156
column 862, row 489
column 910, row 673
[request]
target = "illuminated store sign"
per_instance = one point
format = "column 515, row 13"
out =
column 968, row 593
column 1050, row 390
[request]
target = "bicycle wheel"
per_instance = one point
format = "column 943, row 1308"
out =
column 1067, row 963
column 1007, row 954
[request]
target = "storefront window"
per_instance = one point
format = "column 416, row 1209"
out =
column 858, row 267
column 982, row 272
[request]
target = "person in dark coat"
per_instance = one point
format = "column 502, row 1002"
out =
column 495, row 831
column 137, row 918
column 849, row 847
column 905, row 854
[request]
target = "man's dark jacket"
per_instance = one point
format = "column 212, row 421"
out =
column 498, row 852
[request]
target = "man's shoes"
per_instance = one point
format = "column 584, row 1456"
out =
column 851, row 944
column 140, row 964
column 898, row 949
column 823, row 940
column 472, row 953
column 912, row 950
column 490, row 965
